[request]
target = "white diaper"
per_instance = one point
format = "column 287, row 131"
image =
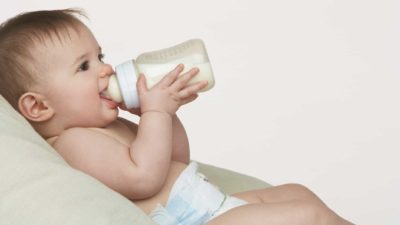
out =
column 193, row 201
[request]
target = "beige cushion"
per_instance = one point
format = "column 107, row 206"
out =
column 230, row 181
column 37, row 187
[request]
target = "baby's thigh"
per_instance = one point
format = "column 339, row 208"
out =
column 294, row 212
column 282, row 193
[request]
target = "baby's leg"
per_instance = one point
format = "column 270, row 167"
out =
column 286, row 192
column 291, row 212
column 286, row 202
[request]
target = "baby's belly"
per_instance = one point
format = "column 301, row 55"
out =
column 147, row 205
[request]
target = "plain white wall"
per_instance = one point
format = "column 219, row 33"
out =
column 306, row 91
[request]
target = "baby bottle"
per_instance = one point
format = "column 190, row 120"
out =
column 155, row 65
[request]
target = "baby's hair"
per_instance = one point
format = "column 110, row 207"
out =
column 20, row 36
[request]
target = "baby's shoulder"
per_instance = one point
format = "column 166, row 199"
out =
column 121, row 131
column 71, row 135
column 65, row 134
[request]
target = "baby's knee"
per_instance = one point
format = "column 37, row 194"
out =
column 301, row 192
column 310, row 212
column 311, row 208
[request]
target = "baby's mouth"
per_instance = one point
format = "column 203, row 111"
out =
column 104, row 94
column 105, row 97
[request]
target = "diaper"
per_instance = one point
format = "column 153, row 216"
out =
column 193, row 201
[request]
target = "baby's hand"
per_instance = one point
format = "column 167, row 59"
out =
column 169, row 93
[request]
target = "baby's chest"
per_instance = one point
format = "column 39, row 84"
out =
column 120, row 132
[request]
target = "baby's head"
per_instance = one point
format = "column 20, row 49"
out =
column 51, row 68
column 21, row 39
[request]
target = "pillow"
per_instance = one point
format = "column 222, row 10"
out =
column 229, row 181
column 37, row 187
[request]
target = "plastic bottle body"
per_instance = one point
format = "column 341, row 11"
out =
column 155, row 65
column 154, row 72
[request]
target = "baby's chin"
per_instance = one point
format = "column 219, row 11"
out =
column 110, row 118
column 105, row 120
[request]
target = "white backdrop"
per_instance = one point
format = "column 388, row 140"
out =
column 306, row 91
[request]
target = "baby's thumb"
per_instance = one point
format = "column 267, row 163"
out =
column 141, row 84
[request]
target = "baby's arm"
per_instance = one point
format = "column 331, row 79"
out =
column 180, row 142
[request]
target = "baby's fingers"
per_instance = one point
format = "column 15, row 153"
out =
column 189, row 99
column 171, row 77
column 141, row 84
column 192, row 89
column 183, row 80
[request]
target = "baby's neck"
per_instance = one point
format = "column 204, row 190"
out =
column 47, row 130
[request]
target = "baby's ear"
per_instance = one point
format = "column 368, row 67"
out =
column 34, row 107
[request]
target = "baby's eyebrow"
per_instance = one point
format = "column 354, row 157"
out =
column 80, row 58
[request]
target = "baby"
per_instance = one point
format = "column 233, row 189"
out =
column 53, row 73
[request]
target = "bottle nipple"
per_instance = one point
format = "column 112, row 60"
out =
column 113, row 89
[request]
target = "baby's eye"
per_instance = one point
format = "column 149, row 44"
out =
column 84, row 66
column 101, row 57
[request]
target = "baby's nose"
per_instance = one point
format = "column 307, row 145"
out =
column 106, row 70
